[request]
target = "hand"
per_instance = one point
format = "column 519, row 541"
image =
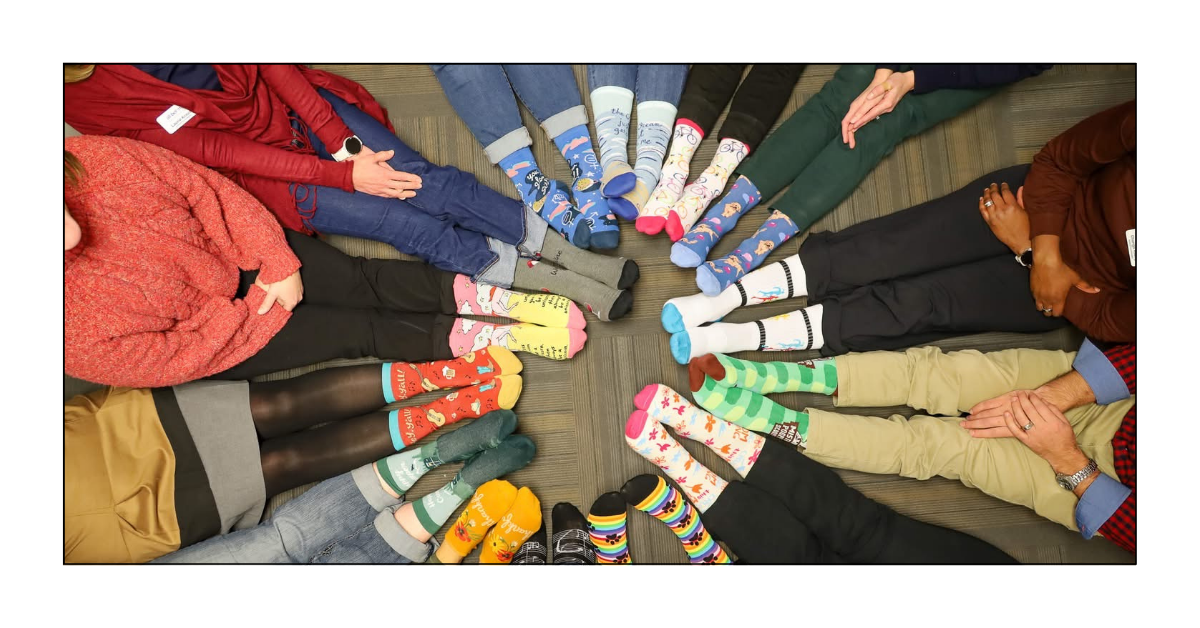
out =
column 1006, row 216
column 880, row 97
column 287, row 292
column 374, row 175
column 1050, row 280
column 1051, row 436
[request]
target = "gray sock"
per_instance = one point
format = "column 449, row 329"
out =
column 615, row 272
column 605, row 302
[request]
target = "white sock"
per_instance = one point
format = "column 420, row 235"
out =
column 654, row 133
column 793, row 331
column 684, row 141
column 769, row 283
column 723, row 338
column 611, row 106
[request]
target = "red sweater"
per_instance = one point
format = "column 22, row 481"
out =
column 243, row 131
column 149, row 290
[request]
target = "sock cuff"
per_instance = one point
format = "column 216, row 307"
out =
column 689, row 123
column 611, row 97
column 656, row 497
column 385, row 472
column 566, row 120
column 510, row 143
column 658, row 111
column 388, row 395
column 423, row 517
column 394, row 430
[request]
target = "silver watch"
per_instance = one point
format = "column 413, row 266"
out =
column 1069, row 482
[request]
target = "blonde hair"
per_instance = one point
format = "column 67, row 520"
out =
column 72, row 169
column 75, row 72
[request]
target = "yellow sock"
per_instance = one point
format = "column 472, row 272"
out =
column 487, row 506
column 555, row 343
column 513, row 529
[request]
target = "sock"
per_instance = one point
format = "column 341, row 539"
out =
column 612, row 271
column 548, row 197
column 782, row 280
column 653, row 216
column 534, row 551
column 734, row 444
column 605, row 302
column 575, row 144
column 400, row 471
column 489, row 503
column 652, row 495
column 752, row 411
column 705, row 188
column 611, row 106
column 513, row 529
column 654, row 131
column 409, row 425
column 651, row 440
column 813, row 376
column 792, row 331
column 555, row 343
column 571, row 541
column 549, row 310
column 402, row 380
column 713, row 277
column 693, row 248
column 433, row 510
column 631, row 202
column 606, row 526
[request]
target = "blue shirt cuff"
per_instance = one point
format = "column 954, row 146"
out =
column 1101, row 376
column 1098, row 503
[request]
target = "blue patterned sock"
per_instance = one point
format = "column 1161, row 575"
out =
column 715, row 276
column 548, row 197
column 576, row 147
column 611, row 106
column 655, row 119
column 692, row 249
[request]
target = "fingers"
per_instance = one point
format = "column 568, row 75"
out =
column 384, row 156
column 1014, row 428
column 1020, row 197
column 1034, row 404
column 406, row 176
column 1019, row 412
column 268, row 301
column 1007, row 195
column 988, row 404
column 984, row 422
column 988, row 203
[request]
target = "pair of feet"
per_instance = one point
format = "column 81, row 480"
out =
column 652, row 495
column 674, row 207
column 500, row 518
column 571, row 543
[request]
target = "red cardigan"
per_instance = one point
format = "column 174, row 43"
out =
column 243, row 131
column 149, row 291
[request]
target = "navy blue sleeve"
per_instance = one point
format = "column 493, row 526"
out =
column 928, row 77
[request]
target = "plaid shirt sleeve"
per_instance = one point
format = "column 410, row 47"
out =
column 1124, row 359
column 1121, row 526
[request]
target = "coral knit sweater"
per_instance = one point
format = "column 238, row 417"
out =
column 149, row 290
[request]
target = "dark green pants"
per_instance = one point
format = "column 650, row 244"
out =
column 807, row 150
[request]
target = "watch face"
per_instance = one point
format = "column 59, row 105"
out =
column 1065, row 483
column 353, row 145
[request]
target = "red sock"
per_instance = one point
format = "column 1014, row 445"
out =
column 409, row 425
column 402, row 380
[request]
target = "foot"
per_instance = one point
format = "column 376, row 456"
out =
column 617, row 180
column 681, row 313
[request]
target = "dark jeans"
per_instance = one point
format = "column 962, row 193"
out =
column 792, row 509
column 929, row 272
column 356, row 307
column 759, row 101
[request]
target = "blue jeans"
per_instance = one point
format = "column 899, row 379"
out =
column 482, row 95
column 447, row 223
column 341, row 520
column 650, row 82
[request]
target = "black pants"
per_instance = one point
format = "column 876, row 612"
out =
column 356, row 307
column 792, row 509
column 760, row 99
column 928, row 272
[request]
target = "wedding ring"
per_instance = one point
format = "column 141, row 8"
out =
column 988, row 203
column 1028, row 426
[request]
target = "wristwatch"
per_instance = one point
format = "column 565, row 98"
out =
column 1026, row 258
column 351, row 147
column 1069, row 482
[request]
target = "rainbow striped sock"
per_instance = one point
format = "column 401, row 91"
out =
column 652, row 495
column 606, row 525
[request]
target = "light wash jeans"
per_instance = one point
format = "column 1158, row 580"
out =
column 649, row 82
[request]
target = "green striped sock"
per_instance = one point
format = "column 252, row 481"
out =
column 815, row 376
column 752, row 411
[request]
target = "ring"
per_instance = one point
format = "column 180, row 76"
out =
column 1048, row 310
column 876, row 117
column 1028, row 426
column 988, row 203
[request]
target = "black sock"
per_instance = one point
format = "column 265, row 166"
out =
column 571, row 542
column 533, row 551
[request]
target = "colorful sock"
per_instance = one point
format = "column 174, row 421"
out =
column 813, row 376
column 534, row 551
column 548, row 197
column 555, row 343
column 402, row 380
column 571, row 541
column 652, row 495
column 400, row 471
column 513, row 529
column 653, row 216
column 486, row 507
column 610, row 270
column 713, row 277
column 630, row 203
column 705, row 188
column 782, row 280
column 575, row 144
column 734, row 444
column 611, row 106
column 549, row 310
column 691, row 250
column 793, row 331
column 752, row 411
column 605, row 302
column 653, row 443
column 409, row 425
column 654, row 131
column 433, row 510
column 606, row 526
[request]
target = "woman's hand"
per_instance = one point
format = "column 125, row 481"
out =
column 1006, row 216
column 374, row 175
column 880, row 97
column 287, row 293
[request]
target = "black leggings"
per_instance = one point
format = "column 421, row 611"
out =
column 760, row 99
column 792, row 509
column 356, row 307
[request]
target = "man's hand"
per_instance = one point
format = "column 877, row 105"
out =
column 880, row 97
column 1006, row 216
column 287, row 293
column 374, row 175
column 1049, row 435
column 1050, row 280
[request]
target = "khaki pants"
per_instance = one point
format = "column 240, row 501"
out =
column 924, row 446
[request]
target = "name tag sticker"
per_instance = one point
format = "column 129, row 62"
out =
column 1131, row 240
column 174, row 118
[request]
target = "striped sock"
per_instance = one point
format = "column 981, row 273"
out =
column 753, row 411
column 733, row 443
column 606, row 525
column 813, row 376
column 651, row 494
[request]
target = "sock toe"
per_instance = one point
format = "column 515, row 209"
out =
column 636, row 490
column 623, row 208
column 636, row 423
column 605, row 239
column 506, row 361
column 615, row 182
column 621, row 306
column 510, row 390
column 583, row 236
column 609, row 504
column 650, row 225
column 707, row 281
column 674, row 227
column 565, row 516
column 630, row 273
column 672, row 320
column 681, row 347
column 684, row 257
column 576, row 339
column 642, row 400
column 575, row 319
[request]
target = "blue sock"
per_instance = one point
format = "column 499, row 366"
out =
column 692, row 249
column 576, row 147
column 546, row 196
column 715, row 276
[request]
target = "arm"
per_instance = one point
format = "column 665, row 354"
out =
column 1098, row 503
column 928, row 77
column 1100, row 374
column 1105, row 315
column 290, row 85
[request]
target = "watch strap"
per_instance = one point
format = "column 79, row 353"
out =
column 1079, row 476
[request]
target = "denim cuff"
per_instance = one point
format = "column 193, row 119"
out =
column 394, row 535
column 512, row 142
column 564, row 121
column 501, row 271
column 368, row 484
column 535, row 233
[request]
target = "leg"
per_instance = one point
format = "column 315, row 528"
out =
column 761, row 530
column 799, row 330
column 612, row 103
column 708, row 89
